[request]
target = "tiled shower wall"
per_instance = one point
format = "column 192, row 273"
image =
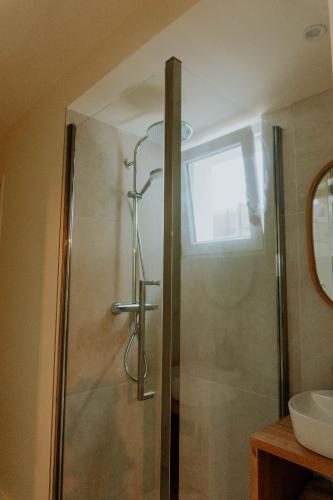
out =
column 308, row 145
column 111, row 439
column 229, row 362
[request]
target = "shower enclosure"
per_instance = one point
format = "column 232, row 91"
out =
column 173, row 338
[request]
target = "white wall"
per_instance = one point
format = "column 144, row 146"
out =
column 31, row 155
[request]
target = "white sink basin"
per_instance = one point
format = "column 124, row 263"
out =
column 312, row 417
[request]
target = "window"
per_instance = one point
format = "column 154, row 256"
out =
column 223, row 181
column 218, row 194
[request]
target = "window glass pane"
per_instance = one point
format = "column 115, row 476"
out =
column 218, row 193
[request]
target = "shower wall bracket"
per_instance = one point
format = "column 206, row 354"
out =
column 134, row 195
column 118, row 307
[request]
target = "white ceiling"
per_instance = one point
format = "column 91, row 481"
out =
column 251, row 56
column 41, row 41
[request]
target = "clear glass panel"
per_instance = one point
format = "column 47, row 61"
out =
column 112, row 440
column 228, row 362
column 225, row 373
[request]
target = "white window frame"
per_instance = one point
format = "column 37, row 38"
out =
column 243, row 138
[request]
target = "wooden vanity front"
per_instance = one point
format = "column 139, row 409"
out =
column 280, row 466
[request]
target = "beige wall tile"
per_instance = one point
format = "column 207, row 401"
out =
column 99, row 171
column 313, row 121
column 111, row 443
column 229, row 339
column 99, row 276
column 310, row 123
column 316, row 325
column 216, row 423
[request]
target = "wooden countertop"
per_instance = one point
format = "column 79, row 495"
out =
column 279, row 440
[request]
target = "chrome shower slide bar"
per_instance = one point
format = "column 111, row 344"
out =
column 142, row 395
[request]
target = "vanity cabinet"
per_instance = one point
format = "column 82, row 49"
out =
column 280, row 466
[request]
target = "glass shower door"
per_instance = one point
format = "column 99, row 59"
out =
column 225, row 365
column 112, row 406
column 171, row 335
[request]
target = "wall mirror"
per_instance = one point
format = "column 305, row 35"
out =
column 320, row 232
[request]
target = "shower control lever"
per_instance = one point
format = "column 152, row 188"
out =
column 118, row 307
column 142, row 395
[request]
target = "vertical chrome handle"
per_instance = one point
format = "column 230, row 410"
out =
column 142, row 395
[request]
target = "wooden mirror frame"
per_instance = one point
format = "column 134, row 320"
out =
column 309, row 233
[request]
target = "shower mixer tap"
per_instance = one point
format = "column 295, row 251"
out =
column 118, row 307
column 154, row 133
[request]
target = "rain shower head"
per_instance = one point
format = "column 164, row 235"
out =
column 154, row 174
column 155, row 132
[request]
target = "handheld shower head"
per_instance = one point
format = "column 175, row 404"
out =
column 154, row 174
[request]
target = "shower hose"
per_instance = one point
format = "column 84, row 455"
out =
column 134, row 326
